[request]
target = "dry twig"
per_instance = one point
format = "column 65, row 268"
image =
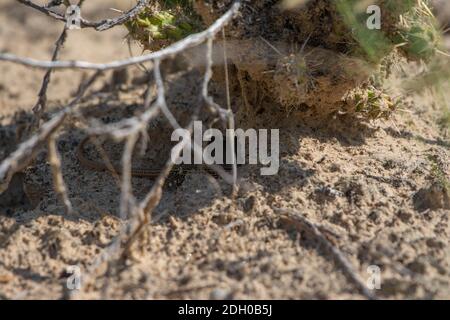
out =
column 39, row 107
column 27, row 150
column 302, row 223
column 58, row 179
column 172, row 50
column 128, row 129
column 97, row 25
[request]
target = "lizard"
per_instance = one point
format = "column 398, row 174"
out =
column 115, row 169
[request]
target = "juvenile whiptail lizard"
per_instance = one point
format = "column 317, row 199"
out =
column 115, row 169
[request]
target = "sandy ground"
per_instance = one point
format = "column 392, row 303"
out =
column 374, row 187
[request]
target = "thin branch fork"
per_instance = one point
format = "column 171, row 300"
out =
column 40, row 106
column 172, row 50
column 26, row 152
column 149, row 203
column 127, row 129
column 98, row 25
column 144, row 210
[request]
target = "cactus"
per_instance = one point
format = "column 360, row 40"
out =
column 339, row 54
column 162, row 23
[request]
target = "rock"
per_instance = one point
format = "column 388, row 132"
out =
column 433, row 198
column 219, row 294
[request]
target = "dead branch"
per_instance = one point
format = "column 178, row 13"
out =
column 43, row 9
column 131, row 128
column 143, row 214
column 39, row 107
column 58, row 180
column 231, row 120
column 172, row 50
column 302, row 223
column 98, row 25
column 27, row 150
column 127, row 202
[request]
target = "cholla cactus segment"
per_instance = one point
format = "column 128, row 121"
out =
column 371, row 103
column 342, row 50
column 162, row 23
column 418, row 35
column 314, row 54
column 405, row 24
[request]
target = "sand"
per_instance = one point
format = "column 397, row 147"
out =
column 373, row 186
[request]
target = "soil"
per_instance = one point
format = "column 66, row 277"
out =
column 376, row 187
